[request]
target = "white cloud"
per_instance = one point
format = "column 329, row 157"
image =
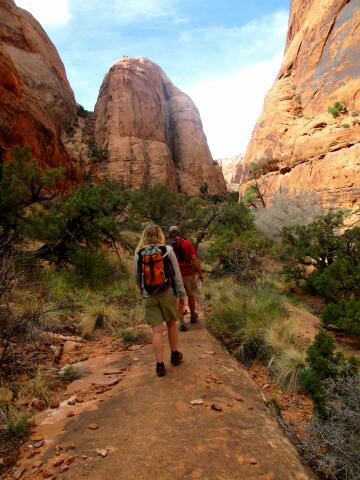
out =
column 48, row 13
column 131, row 11
column 138, row 10
column 230, row 105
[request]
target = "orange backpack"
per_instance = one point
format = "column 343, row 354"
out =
column 155, row 268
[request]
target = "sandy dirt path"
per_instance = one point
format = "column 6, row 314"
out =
column 148, row 429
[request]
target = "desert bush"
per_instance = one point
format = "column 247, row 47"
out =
column 239, row 255
column 337, row 109
column 69, row 374
column 254, row 195
column 98, row 315
column 242, row 320
column 323, row 363
column 344, row 315
column 332, row 445
column 96, row 153
column 18, row 427
column 40, row 386
column 132, row 337
column 287, row 211
column 288, row 365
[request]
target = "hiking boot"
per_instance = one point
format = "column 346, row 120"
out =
column 176, row 358
column 193, row 317
column 182, row 325
column 160, row 369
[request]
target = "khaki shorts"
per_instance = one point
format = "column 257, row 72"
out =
column 160, row 309
column 190, row 285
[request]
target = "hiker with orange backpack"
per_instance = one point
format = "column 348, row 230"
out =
column 157, row 273
column 188, row 262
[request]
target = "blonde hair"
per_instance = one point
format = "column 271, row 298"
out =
column 151, row 235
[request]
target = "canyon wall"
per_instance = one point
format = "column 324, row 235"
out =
column 152, row 131
column 299, row 143
column 36, row 101
column 231, row 168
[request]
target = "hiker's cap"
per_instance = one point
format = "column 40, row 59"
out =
column 174, row 231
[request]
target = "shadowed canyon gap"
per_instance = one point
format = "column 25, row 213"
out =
column 301, row 146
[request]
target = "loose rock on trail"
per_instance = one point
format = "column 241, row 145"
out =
column 205, row 419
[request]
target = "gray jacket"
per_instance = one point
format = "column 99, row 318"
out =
column 179, row 284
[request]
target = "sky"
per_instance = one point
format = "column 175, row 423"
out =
column 225, row 54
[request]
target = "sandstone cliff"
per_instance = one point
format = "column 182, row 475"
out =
column 302, row 146
column 36, row 101
column 152, row 131
column 231, row 168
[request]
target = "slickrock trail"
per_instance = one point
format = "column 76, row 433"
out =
column 146, row 428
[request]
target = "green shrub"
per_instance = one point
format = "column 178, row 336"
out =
column 323, row 364
column 96, row 153
column 95, row 269
column 339, row 280
column 344, row 315
column 336, row 109
column 242, row 319
column 131, row 337
column 70, row 373
column 18, row 427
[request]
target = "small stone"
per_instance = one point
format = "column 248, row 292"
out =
column 250, row 408
column 253, row 461
column 55, row 405
column 18, row 474
column 217, row 407
column 71, row 402
column 70, row 414
column 39, row 444
column 70, row 346
column 133, row 348
column 101, row 452
column 70, row 460
column 58, row 462
column 198, row 401
column 240, row 460
column 47, row 474
column 39, row 404
column 84, row 457
column 64, row 468
column 37, row 464
column 209, row 352
column 67, row 446
column 229, row 404
column 93, row 426
column 239, row 399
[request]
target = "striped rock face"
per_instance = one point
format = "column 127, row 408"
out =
column 152, row 131
column 300, row 144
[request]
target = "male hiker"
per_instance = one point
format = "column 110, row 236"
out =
column 188, row 262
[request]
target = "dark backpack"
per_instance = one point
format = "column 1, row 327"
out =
column 155, row 268
column 176, row 244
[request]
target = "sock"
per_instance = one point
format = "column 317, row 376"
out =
column 159, row 364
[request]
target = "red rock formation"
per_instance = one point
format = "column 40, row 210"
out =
column 36, row 101
column 152, row 130
column 299, row 143
column 231, row 168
